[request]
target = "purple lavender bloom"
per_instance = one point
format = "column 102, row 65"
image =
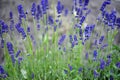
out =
column 118, row 64
column 10, row 48
column 23, row 33
column 80, row 70
column 108, row 62
column 62, row 38
column 70, row 67
column 105, row 3
column 33, row 9
column 86, row 2
column 118, row 22
column 38, row 27
column 75, row 2
column 21, row 30
column 19, row 60
column 96, row 74
column 80, row 2
column 4, row 27
column 2, row 43
column 1, row 70
column 12, row 58
column 102, row 64
column 86, row 56
column 82, row 20
column 28, row 29
column 104, row 46
column 109, row 56
column 11, row 24
column 50, row 20
column 66, row 12
column 18, row 52
column 71, row 39
column 75, row 38
column 11, row 15
column 101, row 39
column 65, row 71
column 39, row 12
column 59, row 7
column 95, row 54
column 3, row 74
column 44, row 4
column 21, row 11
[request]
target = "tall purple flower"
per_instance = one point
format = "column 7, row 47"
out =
column 59, row 7
column 21, row 30
column 96, row 74
column 12, row 58
column 18, row 52
column 11, row 15
column 101, row 39
column 118, row 64
column 105, row 3
column 44, row 4
column 118, row 22
column 21, row 11
column 10, row 48
column 62, row 38
column 70, row 67
column 39, row 12
column 102, row 64
column 86, row 2
column 50, row 20
column 95, row 54
column 3, row 74
column 80, row 70
column 33, row 9
column 3, row 27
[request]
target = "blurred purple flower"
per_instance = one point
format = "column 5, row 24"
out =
column 80, row 2
column 39, row 12
column 18, row 52
column 50, row 20
column 2, row 43
column 65, row 71
column 12, row 58
column 105, row 3
column 118, row 22
column 118, row 64
column 86, row 2
column 70, row 67
column 33, row 9
column 21, row 11
column 44, row 4
column 19, row 60
column 11, row 15
column 80, row 70
column 4, row 27
column 86, row 56
column 10, row 48
column 66, row 12
column 102, row 64
column 59, row 7
column 95, row 54
column 62, row 38
column 101, row 39
column 96, row 74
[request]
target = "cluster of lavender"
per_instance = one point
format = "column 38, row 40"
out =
column 80, row 12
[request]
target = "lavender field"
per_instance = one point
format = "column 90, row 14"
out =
column 60, row 40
